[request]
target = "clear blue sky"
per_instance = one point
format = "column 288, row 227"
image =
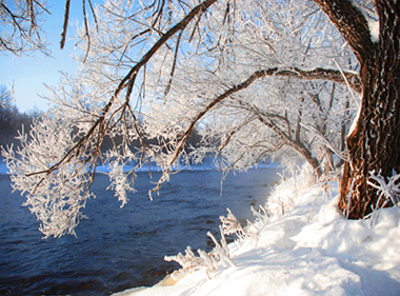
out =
column 30, row 73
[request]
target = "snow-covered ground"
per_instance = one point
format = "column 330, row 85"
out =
column 310, row 250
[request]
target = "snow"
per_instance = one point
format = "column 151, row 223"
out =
column 371, row 16
column 355, row 122
column 310, row 250
column 374, row 29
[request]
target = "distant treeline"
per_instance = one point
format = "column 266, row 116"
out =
column 193, row 140
column 12, row 121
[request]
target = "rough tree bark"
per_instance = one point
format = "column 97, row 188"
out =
column 373, row 143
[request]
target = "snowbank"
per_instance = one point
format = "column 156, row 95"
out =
column 310, row 250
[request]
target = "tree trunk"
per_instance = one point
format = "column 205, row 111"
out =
column 374, row 144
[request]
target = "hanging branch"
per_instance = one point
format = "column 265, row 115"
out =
column 85, row 21
column 94, row 15
column 86, row 30
column 128, row 81
column 235, row 130
column 202, row 7
column 65, row 26
column 167, row 89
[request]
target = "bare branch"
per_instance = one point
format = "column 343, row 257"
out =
column 171, row 32
column 65, row 26
column 86, row 29
column 127, row 81
column 167, row 89
column 233, row 132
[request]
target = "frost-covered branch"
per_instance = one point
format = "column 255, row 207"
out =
column 315, row 74
column 239, row 74
column 220, row 254
column 323, row 74
column 388, row 190
column 21, row 27
column 207, row 261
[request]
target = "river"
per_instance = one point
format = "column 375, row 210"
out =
column 116, row 248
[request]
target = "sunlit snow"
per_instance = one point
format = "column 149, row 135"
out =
column 374, row 29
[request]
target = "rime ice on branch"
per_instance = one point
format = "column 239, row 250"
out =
column 253, row 79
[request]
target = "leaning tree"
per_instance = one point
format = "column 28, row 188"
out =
column 250, row 75
column 372, row 143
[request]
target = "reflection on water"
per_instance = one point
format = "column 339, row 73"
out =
column 117, row 249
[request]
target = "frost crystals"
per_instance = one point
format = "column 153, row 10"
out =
column 220, row 254
column 388, row 192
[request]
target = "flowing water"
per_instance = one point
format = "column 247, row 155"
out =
column 115, row 248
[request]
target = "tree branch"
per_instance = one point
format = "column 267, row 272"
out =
column 65, row 26
column 199, row 9
column 351, row 23
column 315, row 74
column 127, row 81
column 324, row 74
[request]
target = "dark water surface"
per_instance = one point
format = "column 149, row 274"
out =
column 117, row 249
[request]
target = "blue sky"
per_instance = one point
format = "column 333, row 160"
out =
column 28, row 74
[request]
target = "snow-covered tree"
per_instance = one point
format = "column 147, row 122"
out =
column 21, row 24
column 374, row 37
column 252, row 76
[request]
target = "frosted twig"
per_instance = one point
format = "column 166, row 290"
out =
column 388, row 191
column 231, row 225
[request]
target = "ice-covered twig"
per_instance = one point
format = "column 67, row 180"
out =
column 261, row 215
column 388, row 191
column 223, row 241
column 231, row 225
column 207, row 261
column 189, row 263
column 220, row 252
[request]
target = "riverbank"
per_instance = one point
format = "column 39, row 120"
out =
column 310, row 250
